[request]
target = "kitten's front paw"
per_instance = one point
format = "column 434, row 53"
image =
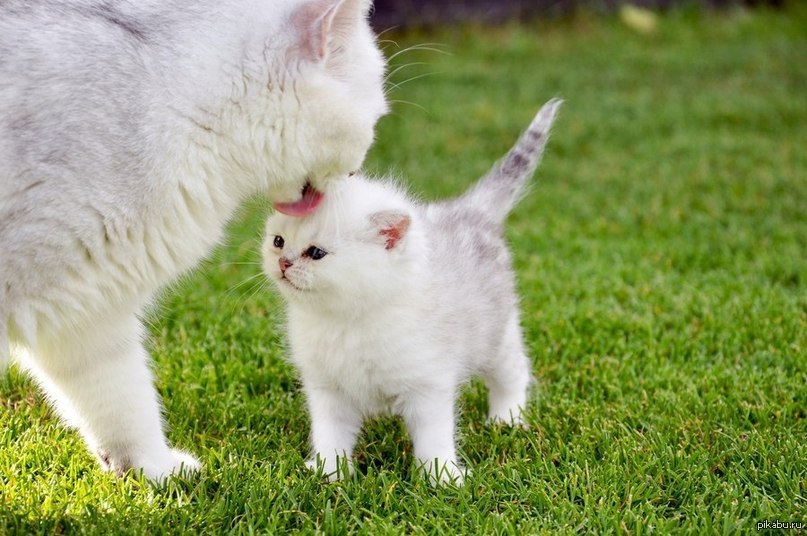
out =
column 443, row 473
column 513, row 418
column 156, row 470
column 508, row 410
column 332, row 468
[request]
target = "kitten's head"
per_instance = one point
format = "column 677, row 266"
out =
column 361, row 248
column 330, row 88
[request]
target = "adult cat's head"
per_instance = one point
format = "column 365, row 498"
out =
column 360, row 249
column 325, row 88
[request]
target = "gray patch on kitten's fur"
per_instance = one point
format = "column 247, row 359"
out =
column 129, row 26
column 476, row 219
column 471, row 226
column 468, row 251
column 498, row 192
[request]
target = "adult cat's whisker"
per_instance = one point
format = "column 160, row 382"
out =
column 423, row 46
column 401, row 101
column 388, row 43
column 397, row 85
column 401, row 67
column 382, row 32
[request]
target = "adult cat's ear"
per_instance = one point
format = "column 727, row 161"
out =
column 390, row 227
column 321, row 25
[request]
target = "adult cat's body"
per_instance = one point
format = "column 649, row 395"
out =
column 393, row 304
column 129, row 133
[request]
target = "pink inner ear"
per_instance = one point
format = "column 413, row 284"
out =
column 394, row 233
column 318, row 21
column 312, row 21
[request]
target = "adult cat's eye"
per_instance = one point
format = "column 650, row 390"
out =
column 315, row 253
column 279, row 241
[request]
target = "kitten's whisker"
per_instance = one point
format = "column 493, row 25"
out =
column 245, row 281
column 250, row 279
column 240, row 263
column 260, row 286
column 241, row 300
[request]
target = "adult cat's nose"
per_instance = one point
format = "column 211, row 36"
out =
column 284, row 264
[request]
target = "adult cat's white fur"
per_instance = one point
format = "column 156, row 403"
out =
column 393, row 304
column 129, row 133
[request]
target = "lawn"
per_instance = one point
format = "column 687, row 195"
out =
column 662, row 260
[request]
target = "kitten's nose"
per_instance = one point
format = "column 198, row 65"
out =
column 284, row 264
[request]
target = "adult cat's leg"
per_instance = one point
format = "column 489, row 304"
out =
column 431, row 421
column 5, row 354
column 100, row 379
column 508, row 378
column 335, row 425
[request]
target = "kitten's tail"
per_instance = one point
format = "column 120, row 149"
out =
column 498, row 192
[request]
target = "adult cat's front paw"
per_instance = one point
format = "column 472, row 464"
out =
column 184, row 463
column 157, row 469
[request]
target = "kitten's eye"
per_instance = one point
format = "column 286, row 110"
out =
column 315, row 253
column 279, row 241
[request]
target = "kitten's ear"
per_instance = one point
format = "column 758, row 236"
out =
column 390, row 227
column 321, row 24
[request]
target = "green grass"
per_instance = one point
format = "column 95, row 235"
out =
column 662, row 260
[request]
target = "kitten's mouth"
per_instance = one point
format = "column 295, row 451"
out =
column 287, row 281
column 310, row 198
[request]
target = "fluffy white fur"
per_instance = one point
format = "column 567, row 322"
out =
column 392, row 305
column 129, row 133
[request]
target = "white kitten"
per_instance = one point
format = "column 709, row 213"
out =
column 392, row 305
column 129, row 133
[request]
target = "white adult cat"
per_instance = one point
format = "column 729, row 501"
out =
column 129, row 133
column 393, row 304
